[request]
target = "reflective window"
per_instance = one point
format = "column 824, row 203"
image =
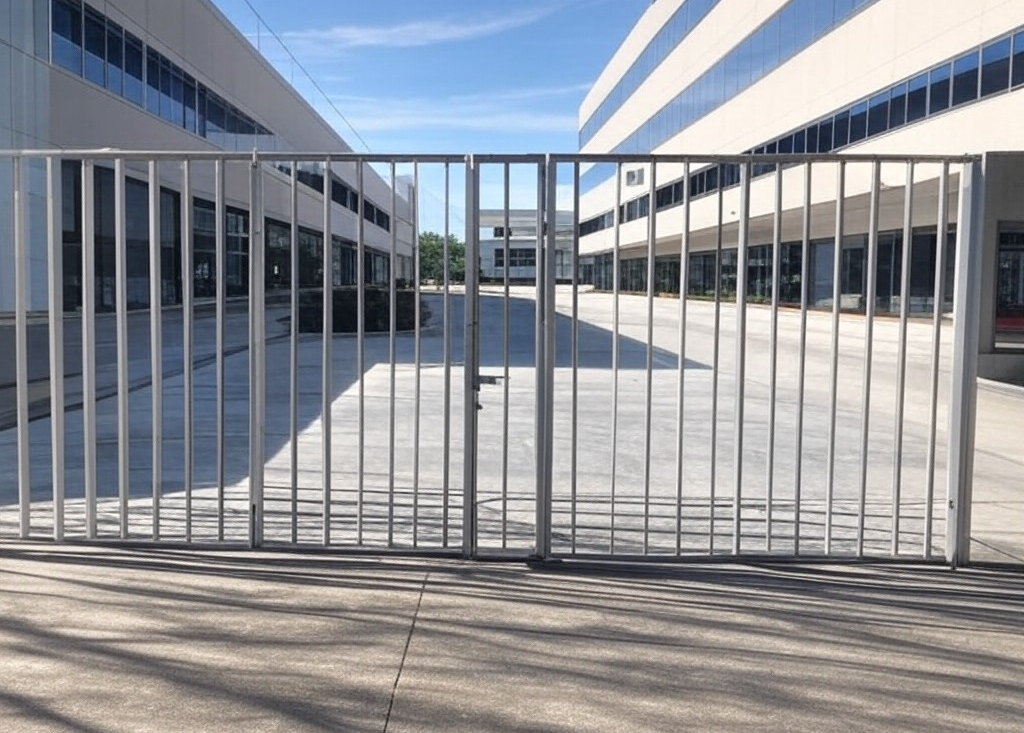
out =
column 153, row 82
column 1018, row 59
column 115, row 57
column 841, row 130
column 791, row 29
column 95, row 47
column 898, row 106
column 858, row 122
column 190, row 104
column 799, row 142
column 995, row 67
column 812, row 139
column 67, row 35
column 825, row 136
column 965, row 79
column 878, row 114
column 939, row 89
column 133, row 70
column 917, row 98
column 166, row 84
column 675, row 30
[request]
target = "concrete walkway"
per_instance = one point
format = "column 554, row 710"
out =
column 95, row 639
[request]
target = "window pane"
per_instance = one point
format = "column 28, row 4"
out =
column 940, row 89
column 115, row 57
column 917, row 98
column 799, row 141
column 67, row 36
column 166, row 90
column 841, row 130
column 190, row 105
column 1018, row 59
column 95, row 48
column 878, row 114
column 965, row 79
column 812, row 139
column 898, row 106
column 859, row 122
column 825, row 137
column 995, row 67
column 153, row 82
column 133, row 86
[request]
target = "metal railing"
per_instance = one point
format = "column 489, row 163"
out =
column 546, row 421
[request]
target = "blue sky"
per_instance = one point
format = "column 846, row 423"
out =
column 444, row 75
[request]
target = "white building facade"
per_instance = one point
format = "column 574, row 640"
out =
column 173, row 75
column 754, row 77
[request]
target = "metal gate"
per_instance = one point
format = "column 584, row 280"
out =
column 543, row 393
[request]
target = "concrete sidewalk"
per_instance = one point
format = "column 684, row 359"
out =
column 95, row 639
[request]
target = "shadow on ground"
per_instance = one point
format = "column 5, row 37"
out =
column 98, row 639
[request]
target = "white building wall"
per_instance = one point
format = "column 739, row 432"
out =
column 52, row 107
column 898, row 38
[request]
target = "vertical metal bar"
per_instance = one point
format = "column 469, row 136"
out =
column 470, row 372
column 257, row 353
column 540, row 372
column 55, row 244
column 938, row 306
column 741, row 355
column 546, row 489
column 773, row 359
column 616, row 352
column 221, row 273
column 652, row 238
column 156, row 343
column 716, row 360
column 326, row 376
column 805, row 296
column 684, row 292
column 361, row 349
column 293, row 352
column 837, row 290
column 417, row 357
column 123, row 397
column 505, row 359
column 21, row 345
column 869, row 334
column 963, row 379
column 89, row 343
column 901, row 376
column 188, row 337
column 392, row 353
column 574, row 438
column 446, row 431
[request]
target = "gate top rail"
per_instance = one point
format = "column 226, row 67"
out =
column 352, row 157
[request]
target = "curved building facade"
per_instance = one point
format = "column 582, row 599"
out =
column 730, row 77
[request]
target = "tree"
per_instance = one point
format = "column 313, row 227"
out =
column 432, row 258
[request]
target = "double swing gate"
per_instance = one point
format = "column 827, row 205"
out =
column 493, row 389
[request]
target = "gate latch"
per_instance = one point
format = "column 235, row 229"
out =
column 488, row 379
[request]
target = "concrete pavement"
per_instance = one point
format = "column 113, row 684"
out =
column 95, row 639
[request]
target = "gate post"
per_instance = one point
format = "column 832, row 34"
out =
column 471, row 366
column 257, row 353
column 963, row 382
column 545, row 341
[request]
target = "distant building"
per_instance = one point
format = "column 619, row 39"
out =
column 521, row 235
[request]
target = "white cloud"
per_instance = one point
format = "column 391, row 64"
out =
column 517, row 110
column 415, row 33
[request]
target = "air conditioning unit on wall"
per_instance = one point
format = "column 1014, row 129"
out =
column 635, row 177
